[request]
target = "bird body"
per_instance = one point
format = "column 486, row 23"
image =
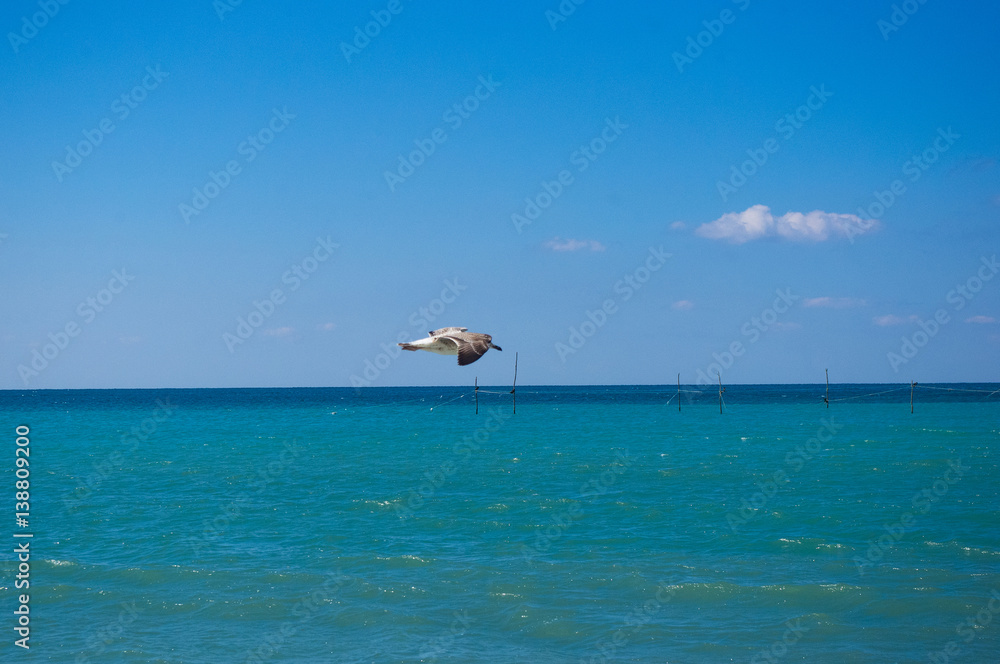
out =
column 468, row 346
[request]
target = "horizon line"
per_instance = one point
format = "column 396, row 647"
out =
column 375, row 387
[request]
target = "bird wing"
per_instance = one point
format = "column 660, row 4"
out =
column 446, row 330
column 469, row 351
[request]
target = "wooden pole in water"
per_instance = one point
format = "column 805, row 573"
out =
column 912, row 383
column 477, row 395
column 827, row 397
column 720, row 392
column 678, row 393
column 514, row 386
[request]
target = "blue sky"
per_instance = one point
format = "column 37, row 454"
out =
column 705, row 177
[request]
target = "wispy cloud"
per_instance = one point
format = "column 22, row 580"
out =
column 279, row 331
column 678, row 226
column 833, row 302
column 973, row 164
column 891, row 319
column 981, row 319
column 983, row 164
column 757, row 222
column 328, row 327
column 683, row 305
column 558, row 244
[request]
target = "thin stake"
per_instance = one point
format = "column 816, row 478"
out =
column 477, row 395
column 678, row 393
column 827, row 397
column 912, row 383
column 514, row 386
column 720, row 392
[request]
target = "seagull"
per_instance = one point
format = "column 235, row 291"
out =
column 469, row 346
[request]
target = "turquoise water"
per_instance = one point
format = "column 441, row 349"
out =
column 597, row 524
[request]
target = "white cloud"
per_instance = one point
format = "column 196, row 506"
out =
column 757, row 221
column 833, row 302
column 890, row 319
column 279, row 331
column 678, row 226
column 558, row 244
column 328, row 327
column 683, row 305
column 981, row 319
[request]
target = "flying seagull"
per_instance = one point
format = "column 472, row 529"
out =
column 469, row 346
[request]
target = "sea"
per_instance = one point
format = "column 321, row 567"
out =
column 594, row 524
